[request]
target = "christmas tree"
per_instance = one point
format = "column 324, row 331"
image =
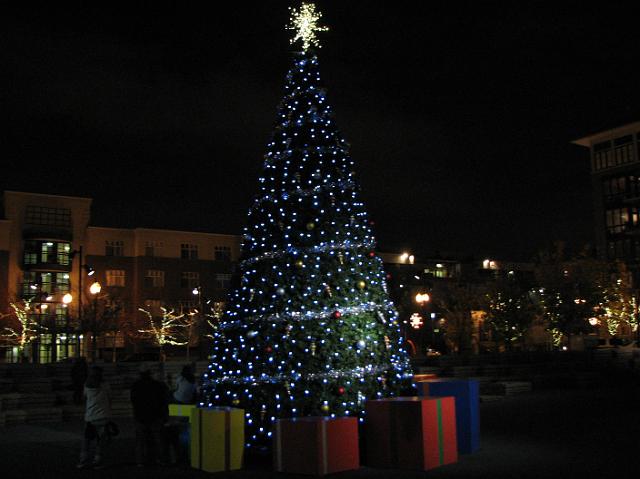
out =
column 310, row 330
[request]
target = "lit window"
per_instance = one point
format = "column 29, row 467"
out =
column 114, row 248
column 115, row 277
column 154, row 279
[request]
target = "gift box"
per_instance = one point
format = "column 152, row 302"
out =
column 181, row 410
column 316, row 445
column 410, row 432
column 217, row 438
column 467, row 395
column 423, row 377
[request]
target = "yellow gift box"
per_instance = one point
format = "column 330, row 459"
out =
column 217, row 438
column 181, row 410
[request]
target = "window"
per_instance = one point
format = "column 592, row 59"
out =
column 187, row 306
column 114, row 248
column 619, row 249
column 620, row 220
column 223, row 281
column 62, row 282
column 48, row 252
column 115, row 277
column 152, row 248
column 188, row 251
column 222, row 253
column 154, row 279
column 189, row 279
column 31, row 250
column 43, row 216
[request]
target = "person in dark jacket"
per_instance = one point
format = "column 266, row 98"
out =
column 150, row 401
column 79, row 374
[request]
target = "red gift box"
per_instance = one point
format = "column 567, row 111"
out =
column 410, row 432
column 424, row 377
column 316, row 445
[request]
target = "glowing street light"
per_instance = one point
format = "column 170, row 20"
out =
column 422, row 298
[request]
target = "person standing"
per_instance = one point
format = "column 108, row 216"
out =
column 186, row 389
column 79, row 373
column 150, row 401
column 97, row 393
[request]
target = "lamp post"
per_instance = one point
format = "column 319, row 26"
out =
column 94, row 289
column 422, row 299
column 90, row 271
column 66, row 300
column 197, row 291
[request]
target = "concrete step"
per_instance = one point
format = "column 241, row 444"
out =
column 33, row 416
column 506, row 388
column 33, row 385
column 6, row 385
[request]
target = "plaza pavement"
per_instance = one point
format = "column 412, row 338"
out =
column 560, row 433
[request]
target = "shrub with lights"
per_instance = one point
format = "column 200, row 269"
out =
column 310, row 330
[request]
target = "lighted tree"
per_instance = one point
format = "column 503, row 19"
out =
column 167, row 329
column 570, row 291
column 310, row 329
column 26, row 329
column 511, row 309
column 618, row 305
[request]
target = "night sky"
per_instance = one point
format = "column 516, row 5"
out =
column 459, row 116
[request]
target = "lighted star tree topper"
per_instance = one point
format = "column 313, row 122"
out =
column 305, row 22
column 310, row 329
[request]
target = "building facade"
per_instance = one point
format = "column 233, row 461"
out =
column 53, row 259
column 615, row 174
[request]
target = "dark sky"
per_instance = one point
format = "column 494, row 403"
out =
column 460, row 116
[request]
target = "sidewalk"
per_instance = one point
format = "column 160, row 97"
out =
column 542, row 434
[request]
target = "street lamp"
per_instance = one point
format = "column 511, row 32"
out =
column 94, row 289
column 66, row 300
column 422, row 299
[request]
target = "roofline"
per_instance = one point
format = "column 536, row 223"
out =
column 587, row 141
column 26, row 193
column 134, row 230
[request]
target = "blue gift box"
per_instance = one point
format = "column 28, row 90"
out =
column 467, row 395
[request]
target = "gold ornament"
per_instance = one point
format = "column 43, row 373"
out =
column 327, row 290
column 324, row 408
column 299, row 263
column 310, row 226
column 341, row 258
column 313, row 348
column 361, row 284
column 235, row 402
column 387, row 342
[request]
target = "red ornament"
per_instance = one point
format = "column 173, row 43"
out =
column 268, row 349
column 341, row 390
column 337, row 314
column 372, row 254
column 388, row 275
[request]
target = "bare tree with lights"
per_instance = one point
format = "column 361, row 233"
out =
column 26, row 330
column 166, row 329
